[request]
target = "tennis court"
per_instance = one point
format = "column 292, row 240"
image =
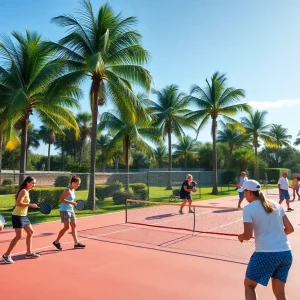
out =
column 135, row 261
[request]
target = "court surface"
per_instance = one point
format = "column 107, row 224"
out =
column 125, row 261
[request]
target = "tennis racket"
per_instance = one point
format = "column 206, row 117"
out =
column 80, row 204
column 2, row 222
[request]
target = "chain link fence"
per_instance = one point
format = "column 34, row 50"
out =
column 113, row 187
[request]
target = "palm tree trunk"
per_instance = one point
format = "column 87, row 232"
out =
column 169, row 186
column 23, row 149
column 127, row 146
column 1, row 147
column 185, row 163
column 49, row 157
column 80, row 153
column 256, row 162
column 92, row 196
column 215, row 166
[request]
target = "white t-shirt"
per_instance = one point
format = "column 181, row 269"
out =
column 284, row 183
column 268, row 228
column 241, row 180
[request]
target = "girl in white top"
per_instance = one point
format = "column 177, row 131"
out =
column 273, row 256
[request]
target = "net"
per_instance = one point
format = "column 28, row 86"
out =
column 204, row 219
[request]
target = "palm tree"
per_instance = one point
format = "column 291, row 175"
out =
column 280, row 135
column 232, row 136
column 107, row 48
column 128, row 130
column 255, row 125
column 31, row 81
column 102, row 144
column 84, row 121
column 48, row 137
column 161, row 155
column 169, row 114
column 215, row 101
column 185, row 149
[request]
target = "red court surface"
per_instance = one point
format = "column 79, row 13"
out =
column 125, row 261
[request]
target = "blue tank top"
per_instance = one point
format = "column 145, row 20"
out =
column 70, row 197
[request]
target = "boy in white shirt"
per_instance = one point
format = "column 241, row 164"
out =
column 283, row 186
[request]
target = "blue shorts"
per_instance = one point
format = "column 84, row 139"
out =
column 241, row 195
column 265, row 265
column 19, row 221
column 284, row 194
column 187, row 196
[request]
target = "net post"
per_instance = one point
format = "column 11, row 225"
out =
column 126, row 210
column 194, row 227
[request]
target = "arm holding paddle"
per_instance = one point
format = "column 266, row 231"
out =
column 248, row 232
column 20, row 200
column 63, row 199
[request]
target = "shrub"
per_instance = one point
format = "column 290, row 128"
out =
column 8, row 189
column 62, row 181
column 120, row 197
column 115, row 186
column 274, row 174
column 7, row 182
column 103, row 192
column 176, row 192
column 138, row 186
column 46, row 195
column 141, row 194
column 228, row 176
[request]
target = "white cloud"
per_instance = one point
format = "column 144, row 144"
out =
column 274, row 104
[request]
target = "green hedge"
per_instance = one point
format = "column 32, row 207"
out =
column 138, row 186
column 105, row 191
column 141, row 194
column 46, row 195
column 7, row 182
column 228, row 177
column 8, row 189
column 274, row 174
column 120, row 197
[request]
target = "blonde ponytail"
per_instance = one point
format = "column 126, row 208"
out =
column 268, row 207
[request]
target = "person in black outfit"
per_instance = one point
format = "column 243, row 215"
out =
column 185, row 193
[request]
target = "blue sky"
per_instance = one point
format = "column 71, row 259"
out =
column 256, row 43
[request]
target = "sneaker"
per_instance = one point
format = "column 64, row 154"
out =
column 180, row 211
column 79, row 246
column 32, row 255
column 290, row 209
column 7, row 259
column 57, row 246
column 191, row 211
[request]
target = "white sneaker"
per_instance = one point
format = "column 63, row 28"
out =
column 7, row 259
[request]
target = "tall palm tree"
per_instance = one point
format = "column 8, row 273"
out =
column 84, row 121
column 30, row 81
column 128, row 130
column 161, row 155
column 105, row 47
column 280, row 135
column 185, row 149
column 255, row 125
column 216, row 101
column 169, row 114
column 48, row 137
column 231, row 135
column 102, row 144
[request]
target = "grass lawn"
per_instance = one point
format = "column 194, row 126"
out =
column 157, row 194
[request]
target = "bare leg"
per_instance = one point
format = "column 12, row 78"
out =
column 62, row 232
column 19, row 232
column 240, row 202
column 278, row 289
column 29, row 230
column 183, row 203
column 74, row 232
column 250, row 293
